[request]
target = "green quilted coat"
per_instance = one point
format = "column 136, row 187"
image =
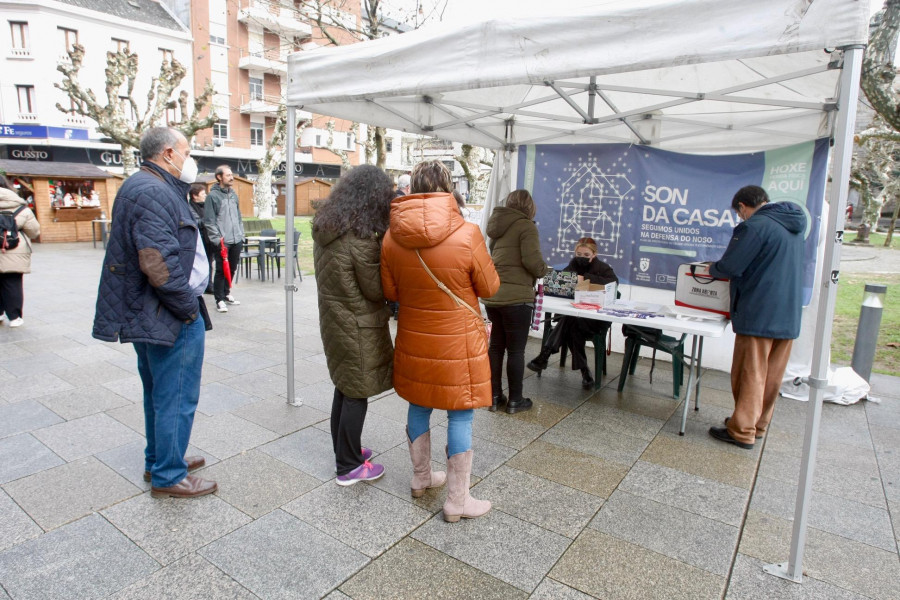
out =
column 353, row 317
column 516, row 252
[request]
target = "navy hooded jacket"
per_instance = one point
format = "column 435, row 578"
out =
column 764, row 262
column 144, row 293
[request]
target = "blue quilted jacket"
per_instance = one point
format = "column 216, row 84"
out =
column 144, row 295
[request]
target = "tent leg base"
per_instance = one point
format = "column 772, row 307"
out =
column 781, row 570
column 295, row 402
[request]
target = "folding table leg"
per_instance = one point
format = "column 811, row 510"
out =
column 690, row 386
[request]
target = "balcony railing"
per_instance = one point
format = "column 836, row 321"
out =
column 76, row 121
column 275, row 17
column 20, row 52
column 27, row 118
column 270, row 61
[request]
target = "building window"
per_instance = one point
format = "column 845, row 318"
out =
column 167, row 55
column 69, row 39
column 389, row 145
column 215, row 39
column 19, row 32
column 257, row 132
column 318, row 140
column 256, row 88
column 26, row 99
column 220, row 129
column 121, row 45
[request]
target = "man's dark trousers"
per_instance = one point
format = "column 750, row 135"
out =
column 220, row 286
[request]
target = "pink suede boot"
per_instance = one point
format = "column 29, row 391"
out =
column 423, row 476
column 459, row 503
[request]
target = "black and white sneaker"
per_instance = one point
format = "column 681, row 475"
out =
column 230, row 300
column 220, row 306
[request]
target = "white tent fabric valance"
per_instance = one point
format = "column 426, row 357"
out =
column 702, row 76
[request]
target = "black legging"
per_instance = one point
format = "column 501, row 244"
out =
column 509, row 334
column 347, row 418
column 12, row 295
column 574, row 332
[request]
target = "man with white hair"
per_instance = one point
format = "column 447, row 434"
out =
column 403, row 185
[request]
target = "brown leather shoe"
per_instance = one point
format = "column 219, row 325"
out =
column 193, row 462
column 189, row 487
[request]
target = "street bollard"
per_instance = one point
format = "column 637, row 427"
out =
column 867, row 330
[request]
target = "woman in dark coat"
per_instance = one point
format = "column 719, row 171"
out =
column 197, row 201
column 347, row 232
column 575, row 331
column 516, row 251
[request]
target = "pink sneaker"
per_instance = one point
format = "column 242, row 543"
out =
column 364, row 472
column 366, row 454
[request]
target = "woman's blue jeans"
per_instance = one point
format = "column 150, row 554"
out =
column 459, row 428
column 171, row 378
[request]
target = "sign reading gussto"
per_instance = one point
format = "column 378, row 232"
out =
column 650, row 210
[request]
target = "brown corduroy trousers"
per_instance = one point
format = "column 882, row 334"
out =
column 757, row 369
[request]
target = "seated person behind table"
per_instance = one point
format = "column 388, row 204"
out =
column 575, row 331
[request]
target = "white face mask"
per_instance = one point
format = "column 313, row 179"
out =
column 188, row 171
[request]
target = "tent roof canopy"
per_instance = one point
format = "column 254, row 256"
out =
column 701, row 76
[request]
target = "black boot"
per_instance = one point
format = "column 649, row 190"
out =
column 539, row 363
column 520, row 406
column 497, row 402
column 587, row 380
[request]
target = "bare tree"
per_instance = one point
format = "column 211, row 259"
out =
column 472, row 159
column 111, row 118
column 263, row 198
column 876, row 163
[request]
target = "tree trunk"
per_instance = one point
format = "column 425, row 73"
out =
column 878, row 70
column 890, row 233
column 380, row 140
column 129, row 165
column 872, row 211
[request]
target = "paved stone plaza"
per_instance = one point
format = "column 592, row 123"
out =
column 595, row 494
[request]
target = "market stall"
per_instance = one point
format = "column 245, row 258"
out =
column 66, row 197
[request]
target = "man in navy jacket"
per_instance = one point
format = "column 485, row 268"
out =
column 764, row 262
column 154, row 274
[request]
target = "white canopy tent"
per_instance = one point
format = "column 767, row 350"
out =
column 695, row 76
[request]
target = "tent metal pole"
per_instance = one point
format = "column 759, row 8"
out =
column 289, row 286
column 818, row 379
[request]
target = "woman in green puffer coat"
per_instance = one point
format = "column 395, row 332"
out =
column 353, row 318
column 516, row 252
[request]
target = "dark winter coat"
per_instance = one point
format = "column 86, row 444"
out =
column 764, row 261
column 516, row 252
column 353, row 317
column 597, row 272
column 144, row 293
column 441, row 356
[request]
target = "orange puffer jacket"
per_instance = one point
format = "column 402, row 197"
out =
column 440, row 354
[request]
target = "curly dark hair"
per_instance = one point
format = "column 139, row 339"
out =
column 359, row 202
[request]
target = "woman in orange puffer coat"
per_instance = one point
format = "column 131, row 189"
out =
column 440, row 354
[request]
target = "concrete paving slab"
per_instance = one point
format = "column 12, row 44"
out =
column 486, row 455
column 275, row 414
column 130, row 387
column 502, row 428
column 189, row 578
column 36, row 364
column 315, row 395
column 256, row 483
column 26, row 415
column 84, row 401
column 128, row 461
column 412, row 569
column 168, row 529
column 94, row 373
column 309, row 450
column 607, row 567
column 489, row 542
column 92, row 352
column 361, row 516
column 85, row 436
column 226, row 435
column 542, row 413
column 398, row 476
column 22, row 455
column 655, row 407
column 259, row 384
column 853, row 520
column 704, row 543
column 242, row 362
column 379, row 434
column 62, row 494
column 86, row 559
column 750, row 582
column 714, row 462
column 15, row 524
column 279, row 556
column 538, row 500
column 582, row 435
column 697, row 495
column 570, row 468
column 554, row 590
column 216, row 398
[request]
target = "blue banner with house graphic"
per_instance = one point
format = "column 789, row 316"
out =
column 650, row 210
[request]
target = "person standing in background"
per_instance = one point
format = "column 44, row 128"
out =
column 197, row 202
column 353, row 319
column 516, row 251
column 15, row 262
column 222, row 218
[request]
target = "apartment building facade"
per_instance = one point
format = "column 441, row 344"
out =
column 37, row 37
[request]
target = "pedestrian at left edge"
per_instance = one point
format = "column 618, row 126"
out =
column 151, row 295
